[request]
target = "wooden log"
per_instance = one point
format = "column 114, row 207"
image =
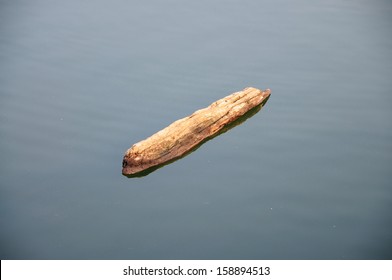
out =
column 185, row 134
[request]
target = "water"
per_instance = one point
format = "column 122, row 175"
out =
column 308, row 177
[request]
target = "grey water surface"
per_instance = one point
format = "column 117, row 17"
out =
column 307, row 177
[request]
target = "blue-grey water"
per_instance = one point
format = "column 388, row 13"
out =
column 308, row 177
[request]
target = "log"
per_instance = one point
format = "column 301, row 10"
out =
column 180, row 137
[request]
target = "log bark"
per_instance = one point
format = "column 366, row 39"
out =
column 185, row 134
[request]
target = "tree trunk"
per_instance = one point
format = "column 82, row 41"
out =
column 185, row 134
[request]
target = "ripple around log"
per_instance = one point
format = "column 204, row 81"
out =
column 186, row 135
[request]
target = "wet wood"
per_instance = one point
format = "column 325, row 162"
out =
column 185, row 134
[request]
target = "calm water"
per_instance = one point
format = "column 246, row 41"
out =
column 308, row 177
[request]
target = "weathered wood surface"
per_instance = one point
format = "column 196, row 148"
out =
column 185, row 134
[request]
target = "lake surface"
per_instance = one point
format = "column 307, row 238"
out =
column 307, row 177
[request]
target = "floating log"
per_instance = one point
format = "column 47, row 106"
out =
column 185, row 134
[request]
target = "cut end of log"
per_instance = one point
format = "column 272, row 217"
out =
column 266, row 93
column 184, row 135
